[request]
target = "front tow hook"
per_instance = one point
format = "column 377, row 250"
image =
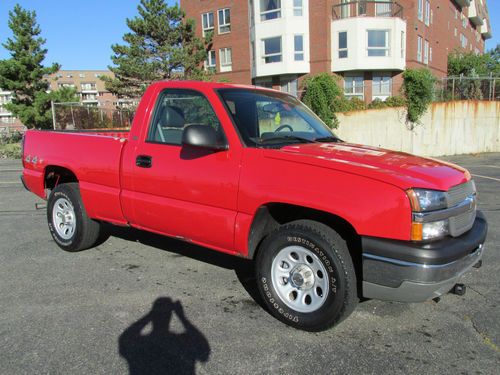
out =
column 459, row 289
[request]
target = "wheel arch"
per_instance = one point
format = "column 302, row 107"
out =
column 55, row 175
column 270, row 216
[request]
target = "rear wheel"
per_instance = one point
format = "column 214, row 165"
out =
column 68, row 222
column 306, row 276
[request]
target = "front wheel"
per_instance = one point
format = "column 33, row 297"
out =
column 306, row 276
column 69, row 224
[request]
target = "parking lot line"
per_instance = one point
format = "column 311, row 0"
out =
column 489, row 178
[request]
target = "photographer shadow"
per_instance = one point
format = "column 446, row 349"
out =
column 150, row 347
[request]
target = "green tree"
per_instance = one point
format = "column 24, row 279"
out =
column 161, row 44
column 23, row 73
column 469, row 64
column 418, row 88
column 321, row 95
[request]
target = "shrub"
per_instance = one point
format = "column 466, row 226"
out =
column 377, row 104
column 321, row 91
column 395, row 101
column 418, row 86
column 343, row 104
column 10, row 151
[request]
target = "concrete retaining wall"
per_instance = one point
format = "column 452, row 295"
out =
column 460, row 127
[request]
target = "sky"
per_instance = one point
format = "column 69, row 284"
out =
column 80, row 33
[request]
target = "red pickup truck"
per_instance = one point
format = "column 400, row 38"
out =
column 254, row 173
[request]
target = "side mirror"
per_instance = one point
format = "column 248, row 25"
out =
column 202, row 136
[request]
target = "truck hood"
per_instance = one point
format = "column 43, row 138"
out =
column 396, row 168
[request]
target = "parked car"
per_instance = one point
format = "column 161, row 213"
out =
column 254, row 173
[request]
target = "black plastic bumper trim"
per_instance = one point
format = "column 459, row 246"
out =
column 443, row 251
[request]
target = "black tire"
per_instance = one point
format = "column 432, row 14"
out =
column 86, row 232
column 329, row 250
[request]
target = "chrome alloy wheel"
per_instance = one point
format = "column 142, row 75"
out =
column 63, row 217
column 300, row 279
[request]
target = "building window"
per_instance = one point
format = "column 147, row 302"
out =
column 82, row 75
column 420, row 10
column 427, row 12
column 456, row 32
column 403, row 43
column 426, row 52
column 381, row 9
column 62, row 85
column 419, row 49
column 264, row 82
column 88, row 86
column 210, row 61
column 343, row 45
column 297, row 8
column 345, row 9
column 270, row 9
column 430, row 54
column 289, row 85
column 382, row 84
column 463, row 40
column 272, row 50
column 298, row 44
column 354, row 86
column 226, row 60
column 224, row 21
column 207, row 22
column 378, row 42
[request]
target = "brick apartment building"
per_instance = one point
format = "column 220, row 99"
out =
column 276, row 43
column 90, row 88
column 87, row 83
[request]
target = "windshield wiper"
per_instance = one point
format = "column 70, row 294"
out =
column 287, row 138
column 329, row 138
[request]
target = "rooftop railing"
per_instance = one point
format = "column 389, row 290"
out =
column 367, row 8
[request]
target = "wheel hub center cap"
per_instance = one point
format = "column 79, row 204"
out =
column 302, row 277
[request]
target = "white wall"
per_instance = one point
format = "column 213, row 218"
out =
column 357, row 44
column 460, row 127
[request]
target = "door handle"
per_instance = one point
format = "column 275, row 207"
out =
column 144, row 161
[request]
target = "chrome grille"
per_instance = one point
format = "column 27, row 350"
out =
column 457, row 194
column 462, row 223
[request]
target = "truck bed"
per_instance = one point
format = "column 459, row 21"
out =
column 93, row 157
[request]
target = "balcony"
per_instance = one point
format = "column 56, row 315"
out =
column 462, row 3
column 485, row 30
column 474, row 15
column 368, row 36
column 367, row 8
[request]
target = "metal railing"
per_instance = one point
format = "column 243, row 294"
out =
column 367, row 8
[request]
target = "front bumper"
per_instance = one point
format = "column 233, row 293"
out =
column 412, row 272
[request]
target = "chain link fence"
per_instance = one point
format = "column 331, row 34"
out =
column 81, row 116
column 468, row 88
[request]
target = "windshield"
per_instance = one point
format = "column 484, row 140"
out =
column 270, row 119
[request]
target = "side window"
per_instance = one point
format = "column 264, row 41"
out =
column 177, row 108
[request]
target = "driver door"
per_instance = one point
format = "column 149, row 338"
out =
column 179, row 191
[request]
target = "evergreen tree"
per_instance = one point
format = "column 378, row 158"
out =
column 23, row 73
column 160, row 43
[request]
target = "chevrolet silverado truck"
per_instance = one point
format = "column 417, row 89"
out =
column 254, row 173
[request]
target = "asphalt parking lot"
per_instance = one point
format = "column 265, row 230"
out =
column 83, row 313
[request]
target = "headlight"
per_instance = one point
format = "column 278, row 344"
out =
column 423, row 200
column 429, row 231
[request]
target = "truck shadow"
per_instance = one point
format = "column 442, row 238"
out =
column 150, row 347
column 243, row 268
